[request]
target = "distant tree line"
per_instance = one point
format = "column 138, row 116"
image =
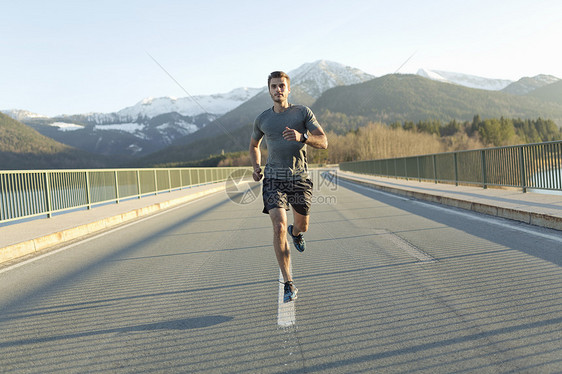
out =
column 492, row 132
column 409, row 138
column 355, row 140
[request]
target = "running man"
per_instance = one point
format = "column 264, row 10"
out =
column 288, row 129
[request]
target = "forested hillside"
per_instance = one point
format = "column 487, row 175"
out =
column 21, row 147
column 399, row 97
column 459, row 117
column 552, row 93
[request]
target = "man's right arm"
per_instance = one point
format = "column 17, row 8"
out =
column 255, row 158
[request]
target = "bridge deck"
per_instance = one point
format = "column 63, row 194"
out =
column 34, row 236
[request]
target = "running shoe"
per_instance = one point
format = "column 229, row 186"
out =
column 290, row 292
column 298, row 240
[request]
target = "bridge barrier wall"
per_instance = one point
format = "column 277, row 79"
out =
column 35, row 193
column 530, row 166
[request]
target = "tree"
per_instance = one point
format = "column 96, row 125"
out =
column 409, row 126
column 496, row 132
column 451, row 128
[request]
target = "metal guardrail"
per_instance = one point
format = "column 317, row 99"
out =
column 529, row 166
column 26, row 194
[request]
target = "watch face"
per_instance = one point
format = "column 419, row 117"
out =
column 304, row 137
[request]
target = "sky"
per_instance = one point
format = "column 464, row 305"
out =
column 81, row 56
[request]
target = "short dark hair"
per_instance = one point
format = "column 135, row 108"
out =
column 278, row 74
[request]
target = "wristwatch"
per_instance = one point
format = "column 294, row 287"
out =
column 304, row 138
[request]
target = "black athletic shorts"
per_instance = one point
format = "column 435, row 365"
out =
column 279, row 193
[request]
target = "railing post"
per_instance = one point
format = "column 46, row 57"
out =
column 455, row 159
column 4, row 197
column 139, row 187
column 155, row 182
column 522, row 167
column 406, row 168
column 483, row 160
column 88, row 198
column 169, row 181
column 48, row 185
column 419, row 174
column 435, row 168
column 116, row 187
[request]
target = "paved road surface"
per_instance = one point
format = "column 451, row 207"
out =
column 386, row 284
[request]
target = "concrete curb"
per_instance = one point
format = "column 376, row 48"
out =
column 39, row 244
column 521, row 215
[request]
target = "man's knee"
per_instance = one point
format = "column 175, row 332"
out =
column 279, row 221
column 301, row 225
column 279, row 228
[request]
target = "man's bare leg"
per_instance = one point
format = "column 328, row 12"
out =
column 280, row 245
column 300, row 223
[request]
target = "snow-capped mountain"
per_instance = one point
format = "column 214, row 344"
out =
column 317, row 77
column 214, row 105
column 466, row 80
column 308, row 83
column 20, row 115
column 154, row 123
column 147, row 126
column 528, row 84
column 190, row 106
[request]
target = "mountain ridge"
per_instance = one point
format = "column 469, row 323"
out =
column 466, row 80
column 551, row 92
column 398, row 97
column 21, row 147
column 155, row 123
column 170, row 104
column 387, row 99
column 526, row 85
column 152, row 134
